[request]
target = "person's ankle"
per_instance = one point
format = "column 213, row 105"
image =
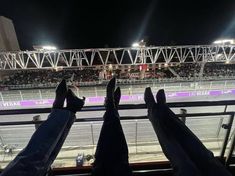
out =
column 74, row 103
column 61, row 92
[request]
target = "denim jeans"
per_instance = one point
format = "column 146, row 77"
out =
column 36, row 158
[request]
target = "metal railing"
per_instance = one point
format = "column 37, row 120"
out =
column 137, row 122
column 95, row 91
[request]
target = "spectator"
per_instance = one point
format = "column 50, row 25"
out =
column 50, row 78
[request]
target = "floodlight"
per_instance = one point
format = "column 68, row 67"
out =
column 48, row 47
column 136, row 44
column 224, row 41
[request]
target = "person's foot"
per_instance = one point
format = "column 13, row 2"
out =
column 161, row 97
column 149, row 98
column 61, row 92
column 154, row 108
column 74, row 103
column 109, row 100
column 117, row 97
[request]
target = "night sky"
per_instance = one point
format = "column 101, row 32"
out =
column 92, row 24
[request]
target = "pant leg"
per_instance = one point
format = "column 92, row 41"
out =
column 61, row 141
column 34, row 160
column 203, row 159
column 111, row 157
column 180, row 161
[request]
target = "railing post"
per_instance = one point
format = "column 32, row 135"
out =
column 35, row 119
column 225, row 85
column 183, row 112
column 21, row 96
column 221, row 122
column 231, row 149
column 1, row 97
column 92, row 135
column 136, row 135
column 96, row 94
column 40, row 94
column 225, row 142
column 210, row 85
column 130, row 91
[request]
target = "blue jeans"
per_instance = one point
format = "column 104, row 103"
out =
column 43, row 146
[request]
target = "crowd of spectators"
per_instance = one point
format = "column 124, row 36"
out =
column 187, row 70
column 219, row 70
column 51, row 77
column 42, row 77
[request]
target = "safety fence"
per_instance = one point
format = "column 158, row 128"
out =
column 16, row 98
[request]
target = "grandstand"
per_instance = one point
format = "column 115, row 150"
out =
column 92, row 75
column 187, row 73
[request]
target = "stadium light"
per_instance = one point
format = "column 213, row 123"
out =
column 136, row 45
column 141, row 43
column 48, row 47
column 224, row 41
column 45, row 47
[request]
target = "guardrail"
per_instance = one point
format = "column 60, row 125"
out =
column 225, row 104
column 14, row 96
column 123, row 107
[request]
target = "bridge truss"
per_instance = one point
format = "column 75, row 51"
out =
column 104, row 56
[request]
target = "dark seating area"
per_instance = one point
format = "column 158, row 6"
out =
column 49, row 78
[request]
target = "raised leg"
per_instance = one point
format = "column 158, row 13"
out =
column 111, row 156
column 171, row 131
column 47, row 141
